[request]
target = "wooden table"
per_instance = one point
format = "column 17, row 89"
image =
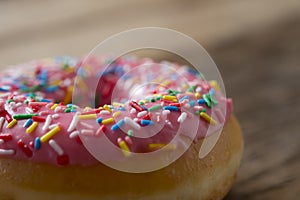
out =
column 255, row 44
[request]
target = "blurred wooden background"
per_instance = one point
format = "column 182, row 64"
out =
column 256, row 45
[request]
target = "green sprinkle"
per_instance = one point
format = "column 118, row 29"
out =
column 158, row 98
column 213, row 100
column 68, row 110
column 202, row 110
column 9, row 101
column 24, row 116
column 141, row 103
column 26, row 101
column 192, row 88
column 173, row 92
column 153, row 108
column 130, row 133
column 206, row 97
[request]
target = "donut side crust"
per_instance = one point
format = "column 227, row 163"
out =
column 187, row 178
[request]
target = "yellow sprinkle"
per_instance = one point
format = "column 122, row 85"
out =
column 89, row 116
column 208, row 118
column 197, row 95
column 32, row 127
column 55, row 83
column 116, row 114
column 54, row 106
column 106, row 107
column 215, row 85
column 68, row 97
column 87, row 108
column 169, row 98
column 81, row 84
column 155, row 146
column 124, row 148
column 166, row 83
column 12, row 123
column 108, row 121
column 117, row 104
column 50, row 134
column 69, row 70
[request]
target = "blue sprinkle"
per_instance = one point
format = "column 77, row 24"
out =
column 46, row 100
column 171, row 108
column 81, row 72
column 192, row 103
column 99, row 120
column 121, row 108
column 145, row 122
column 193, row 71
column 73, row 111
column 117, row 125
column 212, row 91
column 3, row 89
column 183, row 98
column 201, row 101
column 51, row 89
column 28, row 123
column 37, row 143
column 145, row 108
column 43, row 77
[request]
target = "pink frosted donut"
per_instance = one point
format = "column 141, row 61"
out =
column 50, row 136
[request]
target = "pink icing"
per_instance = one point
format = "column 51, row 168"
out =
column 116, row 86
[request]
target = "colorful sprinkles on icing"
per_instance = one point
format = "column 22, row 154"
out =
column 37, row 120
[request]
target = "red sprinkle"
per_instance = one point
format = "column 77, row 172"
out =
column 78, row 139
column 6, row 136
column 31, row 144
column 175, row 104
column 63, row 160
column 25, row 148
column 136, row 106
column 38, row 119
column 147, row 117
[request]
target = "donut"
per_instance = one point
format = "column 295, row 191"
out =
column 56, row 113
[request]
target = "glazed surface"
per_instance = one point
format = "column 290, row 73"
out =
column 39, row 122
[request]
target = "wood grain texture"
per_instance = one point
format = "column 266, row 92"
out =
column 255, row 44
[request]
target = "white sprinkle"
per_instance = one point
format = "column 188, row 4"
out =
column 165, row 112
column 187, row 105
column 52, row 126
column 1, row 141
column 73, row 122
column 47, row 123
column 158, row 118
column 13, row 105
column 49, row 105
column 87, row 132
column 86, row 125
column 142, row 113
column 135, row 119
column 5, row 95
column 56, row 147
column 73, row 134
column 28, row 110
column 132, row 123
column 169, row 123
column 2, row 120
column 182, row 117
column 132, row 111
column 7, row 151
column 57, row 109
column 55, row 116
column 18, row 104
column 104, row 112
column 198, row 89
